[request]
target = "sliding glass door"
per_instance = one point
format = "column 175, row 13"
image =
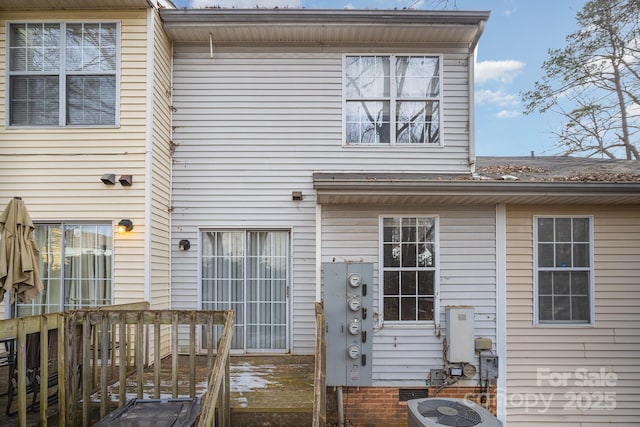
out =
column 247, row 271
column 76, row 267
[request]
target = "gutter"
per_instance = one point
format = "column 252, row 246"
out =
column 197, row 17
column 413, row 182
column 397, row 190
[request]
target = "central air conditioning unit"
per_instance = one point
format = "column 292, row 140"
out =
column 436, row 412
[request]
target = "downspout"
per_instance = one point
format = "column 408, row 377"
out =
column 340, row 407
column 148, row 187
column 318, row 251
column 471, row 69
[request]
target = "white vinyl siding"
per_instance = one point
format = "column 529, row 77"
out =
column 551, row 362
column 160, row 174
column 251, row 126
column 57, row 170
column 404, row 354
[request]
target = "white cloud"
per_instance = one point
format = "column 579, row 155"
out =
column 507, row 114
column 502, row 71
column 496, row 97
column 349, row 6
column 246, row 4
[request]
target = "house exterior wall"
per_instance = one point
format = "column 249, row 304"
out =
column 159, row 198
column 403, row 355
column 252, row 125
column 576, row 376
column 57, row 170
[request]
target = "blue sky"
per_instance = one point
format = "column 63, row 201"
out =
column 510, row 54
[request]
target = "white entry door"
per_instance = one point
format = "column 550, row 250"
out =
column 247, row 271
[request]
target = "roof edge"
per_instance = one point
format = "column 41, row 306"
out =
column 322, row 16
column 432, row 183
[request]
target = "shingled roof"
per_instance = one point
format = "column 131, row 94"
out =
column 513, row 180
column 557, row 168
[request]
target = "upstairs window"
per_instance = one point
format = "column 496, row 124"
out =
column 63, row 74
column 564, row 270
column 392, row 100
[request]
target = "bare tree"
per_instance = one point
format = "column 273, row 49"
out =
column 594, row 82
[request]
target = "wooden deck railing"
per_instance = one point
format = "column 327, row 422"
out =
column 96, row 348
column 320, row 375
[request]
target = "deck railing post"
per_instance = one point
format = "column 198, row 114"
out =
column 88, row 366
column 22, row 372
column 44, row 369
column 124, row 362
column 62, row 379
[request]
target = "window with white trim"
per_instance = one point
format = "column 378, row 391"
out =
column 76, row 267
column 409, row 268
column 63, row 74
column 392, row 99
column 564, row 270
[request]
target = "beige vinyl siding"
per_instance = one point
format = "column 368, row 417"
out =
column 161, row 169
column 609, row 350
column 251, row 126
column 403, row 355
column 57, row 170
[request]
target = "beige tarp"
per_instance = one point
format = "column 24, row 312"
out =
column 19, row 255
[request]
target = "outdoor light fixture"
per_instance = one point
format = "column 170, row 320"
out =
column 108, row 179
column 296, row 195
column 126, row 180
column 184, row 245
column 125, row 225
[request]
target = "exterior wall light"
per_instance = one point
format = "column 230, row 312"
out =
column 125, row 225
column 108, row 179
column 184, row 245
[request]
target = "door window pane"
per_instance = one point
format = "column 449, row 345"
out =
column 76, row 267
column 247, row 271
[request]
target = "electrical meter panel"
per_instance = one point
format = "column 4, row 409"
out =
column 348, row 306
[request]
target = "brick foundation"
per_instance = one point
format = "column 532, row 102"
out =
column 381, row 406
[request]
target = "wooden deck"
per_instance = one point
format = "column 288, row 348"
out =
column 267, row 390
column 97, row 360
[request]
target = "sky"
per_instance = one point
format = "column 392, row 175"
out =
column 510, row 54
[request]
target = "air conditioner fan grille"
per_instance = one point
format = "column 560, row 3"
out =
column 449, row 413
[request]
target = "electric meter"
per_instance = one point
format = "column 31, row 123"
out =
column 353, row 351
column 354, row 327
column 354, row 303
column 354, row 280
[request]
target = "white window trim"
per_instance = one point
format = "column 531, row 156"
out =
column 62, row 74
column 64, row 223
column 392, row 108
column 289, row 286
column 436, row 286
column 592, row 314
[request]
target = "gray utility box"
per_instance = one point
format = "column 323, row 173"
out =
column 348, row 306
